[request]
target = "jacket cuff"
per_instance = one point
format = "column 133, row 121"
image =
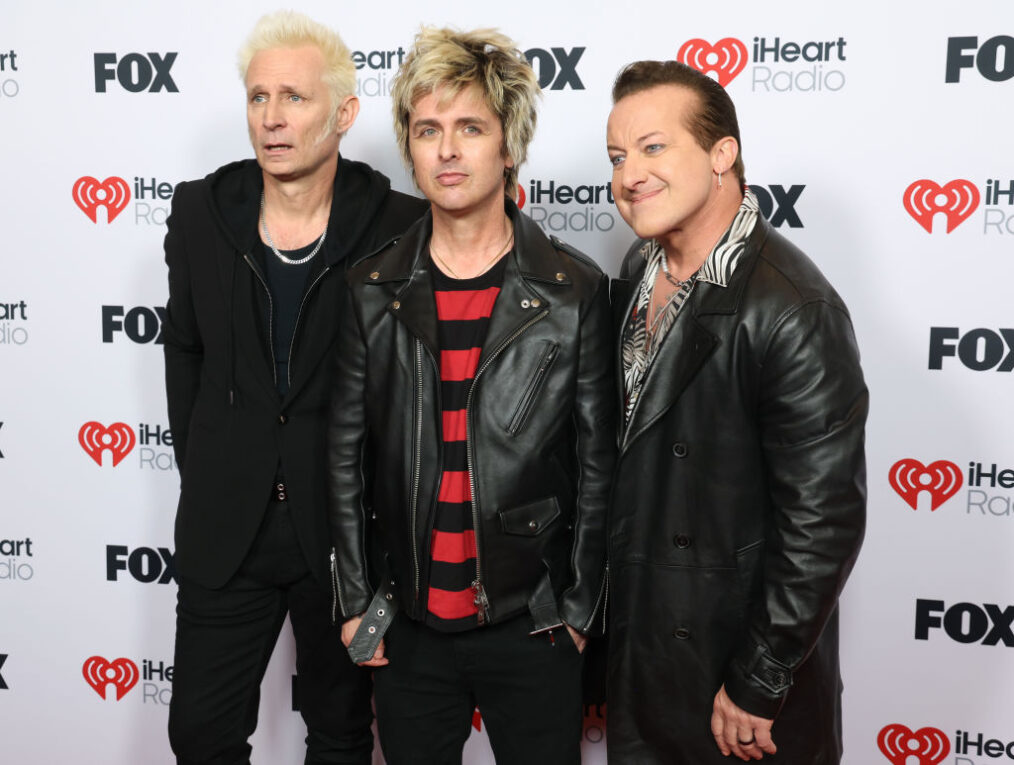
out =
column 758, row 683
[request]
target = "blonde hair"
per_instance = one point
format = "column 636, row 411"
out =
column 289, row 29
column 453, row 60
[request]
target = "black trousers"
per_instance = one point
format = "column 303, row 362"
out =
column 527, row 689
column 224, row 639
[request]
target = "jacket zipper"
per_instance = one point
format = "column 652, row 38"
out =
column 603, row 600
column 528, row 399
column 271, row 318
column 417, row 467
column 295, row 327
column 478, row 588
column 336, row 590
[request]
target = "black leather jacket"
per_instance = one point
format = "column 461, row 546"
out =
column 738, row 512
column 541, row 432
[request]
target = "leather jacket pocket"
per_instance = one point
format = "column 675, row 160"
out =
column 531, row 519
column 531, row 391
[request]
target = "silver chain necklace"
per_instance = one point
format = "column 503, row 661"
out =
column 271, row 244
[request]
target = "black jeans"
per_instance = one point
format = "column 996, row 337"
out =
column 224, row 639
column 527, row 689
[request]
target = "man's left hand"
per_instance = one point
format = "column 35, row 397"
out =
column 738, row 732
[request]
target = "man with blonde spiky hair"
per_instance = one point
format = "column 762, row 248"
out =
column 257, row 253
column 471, row 435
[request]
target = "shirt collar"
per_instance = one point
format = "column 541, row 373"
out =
column 723, row 258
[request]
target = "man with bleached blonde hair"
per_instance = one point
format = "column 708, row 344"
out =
column 257, row 253
column 471, row 435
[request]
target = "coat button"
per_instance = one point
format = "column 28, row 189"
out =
column 679, row 449
column 533, row 525
column 283, row 419
column 526, row 303
column 561, row 276
column 396, row 305
column 681, row 633
column 536, row 302
column 682, row 541
column 375, row 275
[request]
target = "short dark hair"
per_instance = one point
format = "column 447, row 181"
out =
column 714, row 120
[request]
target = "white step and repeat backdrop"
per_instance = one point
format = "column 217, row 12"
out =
column 878, row 138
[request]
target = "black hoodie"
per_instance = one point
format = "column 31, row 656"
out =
column 231, row 428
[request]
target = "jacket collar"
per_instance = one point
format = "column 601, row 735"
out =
column 534, row 270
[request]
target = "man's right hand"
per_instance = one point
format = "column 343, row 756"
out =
column 349, row 629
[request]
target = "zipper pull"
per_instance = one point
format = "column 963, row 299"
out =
column 481, row 602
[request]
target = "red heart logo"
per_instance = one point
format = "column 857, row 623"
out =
column 95, row 438
column 942, row 479
column 521, row 197
column 898, row 744
column 726, row 58
column 956, row 200
column 98, row 673
column 89, row 194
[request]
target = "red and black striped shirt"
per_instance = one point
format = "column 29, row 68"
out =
column 463, row 310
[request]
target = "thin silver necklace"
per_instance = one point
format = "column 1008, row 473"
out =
column 271, row 244
column 488, row 265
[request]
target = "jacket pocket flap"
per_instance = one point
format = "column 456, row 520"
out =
column 529, row 520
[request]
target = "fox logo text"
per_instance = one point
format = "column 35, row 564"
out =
column 144, row 564
column 981, row 350
column 994, row 58
column 989, row 623
column 136, row 72
column 778, row 204
column 140, row 324
column 556, row 67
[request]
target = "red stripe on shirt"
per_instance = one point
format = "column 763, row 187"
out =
column 451, row 547
column 454, row 487
column 465, row 305
column 451, row 605
column 459, row 365
column 455, row 425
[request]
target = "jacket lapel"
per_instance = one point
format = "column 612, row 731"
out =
column 689, row 343
column 408, row 263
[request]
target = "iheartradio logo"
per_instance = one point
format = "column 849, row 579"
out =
column 726, row 58
column 96, row 438
column 942, row 479
column 90, row 193
column 522, row 197
column 956, row 200
column 100, row 673
column 899, row 744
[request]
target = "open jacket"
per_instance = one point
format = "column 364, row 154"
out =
column 738, row 511
column 540, row 432
column 231, row 428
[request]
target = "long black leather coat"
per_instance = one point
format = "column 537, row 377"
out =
column 738, row 511
column 541, row 432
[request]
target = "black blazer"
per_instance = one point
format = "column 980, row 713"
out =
column 231, row 428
